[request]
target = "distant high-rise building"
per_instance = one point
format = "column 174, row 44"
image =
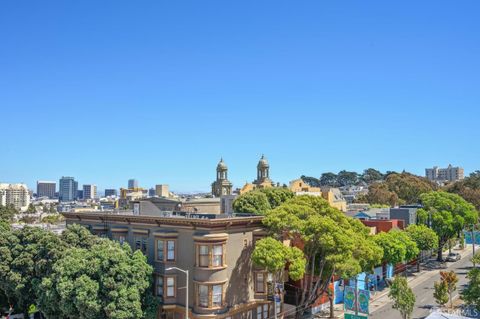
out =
column 161, row 190
column 79, row 194
column 89, row 191
column 151, row 192
column 67, row 189
column 17, row 195
column 451, row 174
column 110, row 192
column 46, row 189
column 132, row 183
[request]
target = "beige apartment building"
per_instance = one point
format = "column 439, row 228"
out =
column 331, row 194
column 223, row 283
column 450, row 174
column 14, row 194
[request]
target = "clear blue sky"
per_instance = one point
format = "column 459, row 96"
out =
column 160, row 90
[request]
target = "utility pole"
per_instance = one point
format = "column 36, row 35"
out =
column 186, row 287
column 473, row 243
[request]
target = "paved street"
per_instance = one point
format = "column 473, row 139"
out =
column 423, row 289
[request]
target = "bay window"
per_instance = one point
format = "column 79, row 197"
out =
column 210, row 255
column 209, row 295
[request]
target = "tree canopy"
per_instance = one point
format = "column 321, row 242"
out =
column 7, row 213
column 259, row 201
column 449, row 213
column 469, row 189
column 398, row 188
column 332, row 243
column 106, row 281
column 424, row 237
column 35, row 261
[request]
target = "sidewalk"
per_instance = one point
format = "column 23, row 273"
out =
column 380, row 298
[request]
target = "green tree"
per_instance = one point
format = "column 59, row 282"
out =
column 31, row 209
column 379, row 194
column 53, row 209
column 44, row 208
column 252, row 202
column 312, row 181
column 106, row 281
column 328, row 179
column 272, row 255
column 469, row 189
column 30, row 254
column 260, row 200
column 402, row 296
column 409, row 187
column 346, row 178
column 411, row 247
column 394, row 249
column 277, row 195
column 476, row 259
column 371, row 175
column 332, row 243
column 471, row 294
column 450, row 279
column 440, row 292
column 425, row 239
column 450, row 213
column 7, row 213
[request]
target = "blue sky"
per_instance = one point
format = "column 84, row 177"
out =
column 160, row 90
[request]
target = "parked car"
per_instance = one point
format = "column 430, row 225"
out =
column 453, row 257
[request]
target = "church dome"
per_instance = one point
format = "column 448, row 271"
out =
column 221, row 165
column 263, row 162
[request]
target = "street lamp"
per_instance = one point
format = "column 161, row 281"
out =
column 186, row 286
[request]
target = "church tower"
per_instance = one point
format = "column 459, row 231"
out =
column 263, row 173
column 222, row 185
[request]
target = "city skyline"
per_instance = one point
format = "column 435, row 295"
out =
column 161, row 91
column 206, row 188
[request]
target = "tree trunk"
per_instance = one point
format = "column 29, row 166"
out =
column 418, row 261
column 332, row 312
column 440, row 253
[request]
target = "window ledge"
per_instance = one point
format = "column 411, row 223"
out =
column 211, row 268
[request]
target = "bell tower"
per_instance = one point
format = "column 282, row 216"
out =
column 263, row 173
column 222, row 185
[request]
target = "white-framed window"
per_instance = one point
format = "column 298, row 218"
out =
column 170, row 287
column 217, row 295
column 170, row 250
column 210, row 255
column 209, row 295
column 165, row 250
column 203, row 296
column 203, row 256
column 217, row 256
column 160, row 287
column 260, row 282
column 160, row 250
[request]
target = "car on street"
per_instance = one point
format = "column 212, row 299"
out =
column 453, row 257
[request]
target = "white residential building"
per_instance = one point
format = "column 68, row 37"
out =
column 89, row 191
column 17, row 195
column 451, row 174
